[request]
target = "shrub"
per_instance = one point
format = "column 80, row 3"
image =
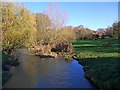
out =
column 63, row 47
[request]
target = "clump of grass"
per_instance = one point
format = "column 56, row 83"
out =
column 6, row 64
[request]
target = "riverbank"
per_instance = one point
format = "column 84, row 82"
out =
column 101, row 64
column 8, row 61
column 103, row 72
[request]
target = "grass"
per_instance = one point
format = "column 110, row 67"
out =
column 101, row 63
column 5, row 74
column 95, row 48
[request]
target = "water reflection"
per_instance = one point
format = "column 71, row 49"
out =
column 34, row 72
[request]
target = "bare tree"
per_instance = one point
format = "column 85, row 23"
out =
column 57, row 16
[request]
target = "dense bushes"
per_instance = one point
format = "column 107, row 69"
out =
column 63, row 47
column 20, row 28
column 83, row 33
column 16, row 26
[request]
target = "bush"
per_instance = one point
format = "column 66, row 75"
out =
column 63, row 47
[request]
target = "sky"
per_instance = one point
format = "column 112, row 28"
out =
column 92, row 15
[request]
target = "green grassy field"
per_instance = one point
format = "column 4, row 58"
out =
column 101, row 63
column 95, row 48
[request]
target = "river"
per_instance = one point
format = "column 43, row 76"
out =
column 36, row 72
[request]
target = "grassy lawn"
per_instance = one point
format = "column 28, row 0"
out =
column 101, row 63
column 95, row 48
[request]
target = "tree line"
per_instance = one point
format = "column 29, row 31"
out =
column 21, row 28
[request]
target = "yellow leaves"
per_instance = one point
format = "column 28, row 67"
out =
column 20, row 28
column 16, row 25
column 68, row 34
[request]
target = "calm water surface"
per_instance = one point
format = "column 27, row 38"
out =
column 34, row 72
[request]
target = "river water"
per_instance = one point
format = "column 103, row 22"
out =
column 35, row 72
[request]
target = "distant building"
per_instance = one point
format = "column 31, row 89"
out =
column 100, row 34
